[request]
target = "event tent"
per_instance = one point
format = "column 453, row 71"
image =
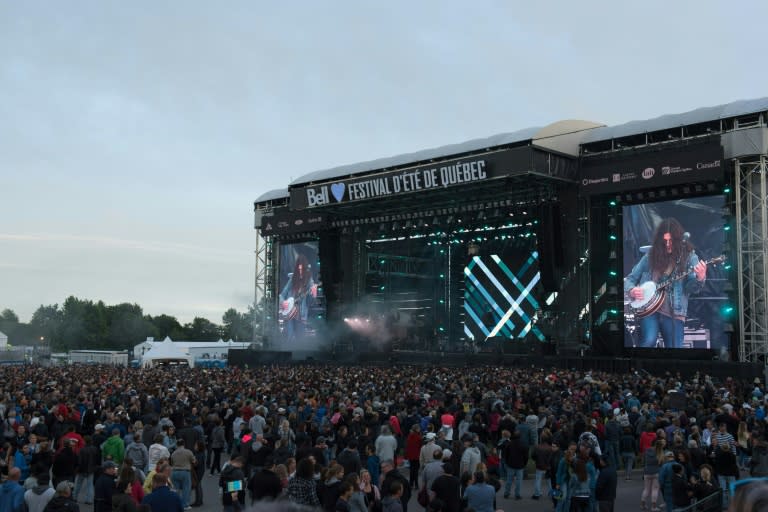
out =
column 166, row 352
column 3, row 340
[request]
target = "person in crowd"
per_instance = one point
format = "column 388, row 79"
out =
column 218, row 443
column 104, row 487
column 369, row 489
column 38, row 497
column 62, row 500
column 122, row 500
column 183, row 462
column 232, row 483
column 393, row 500
column 302, row 488
column 515, row 458
column 605, row 487
column 480, row 496
column 88, row 461
column 114, row 448
column 390, row 476
column 265, row 484
column 357, row 498
column 750, row 497
column 653, row 458
column 446, row 488
column 162, row 498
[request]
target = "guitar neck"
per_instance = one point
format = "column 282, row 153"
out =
column 669, row 282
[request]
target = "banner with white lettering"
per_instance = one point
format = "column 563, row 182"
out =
column 460, row 172
column 697, row 162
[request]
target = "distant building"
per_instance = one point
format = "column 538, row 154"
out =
column 203, row 353
column 111, row 357
column 3, row 341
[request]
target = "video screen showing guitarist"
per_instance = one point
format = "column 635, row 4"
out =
column 660, row 284
column 295, row 299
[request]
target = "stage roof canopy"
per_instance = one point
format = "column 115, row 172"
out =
column 670, row 121
column 562, row 136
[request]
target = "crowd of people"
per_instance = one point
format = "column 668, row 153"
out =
column 365, row 439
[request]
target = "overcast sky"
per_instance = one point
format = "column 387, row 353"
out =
column 135, row 136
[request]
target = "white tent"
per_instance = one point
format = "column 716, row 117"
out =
column 3, row 341
column 166, row 352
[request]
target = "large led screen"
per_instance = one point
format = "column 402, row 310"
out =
column 300, row 301
column 669, row 301
column 499, row 299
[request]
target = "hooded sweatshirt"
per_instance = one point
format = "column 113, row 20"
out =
column 38, row 497
column 391, row 504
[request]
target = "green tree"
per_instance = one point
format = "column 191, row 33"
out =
column 46, row 323
column 84, row 325
column 127, row 326
column 237, row 326
column 202, row 329
column 167, row 325
column 8, row 315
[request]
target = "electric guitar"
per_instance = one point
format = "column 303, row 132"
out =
column 654, row 294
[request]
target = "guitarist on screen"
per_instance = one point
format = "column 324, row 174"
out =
column 671, row 257
column 294, row 299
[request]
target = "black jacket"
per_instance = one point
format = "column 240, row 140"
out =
column 62, row 504
column 605, row 487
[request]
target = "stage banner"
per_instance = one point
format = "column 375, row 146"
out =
column 450, row 173
column 698, row 162
column 283, row 223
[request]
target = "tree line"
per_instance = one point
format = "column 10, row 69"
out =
column 84, row 324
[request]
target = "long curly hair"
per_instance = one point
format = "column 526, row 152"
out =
column 300, row 280
column 658, row 258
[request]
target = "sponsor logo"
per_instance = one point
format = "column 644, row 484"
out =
column 593, row 181
column 665, row 171
column 648, row 173
column 298, row 222
column 337, row 189
column 708, row 165
column 616, row 177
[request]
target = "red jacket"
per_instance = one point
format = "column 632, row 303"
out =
column 413, row 446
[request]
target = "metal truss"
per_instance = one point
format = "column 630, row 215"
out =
column 752, row 244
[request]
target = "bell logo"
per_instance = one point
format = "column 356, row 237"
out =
column 648, row 173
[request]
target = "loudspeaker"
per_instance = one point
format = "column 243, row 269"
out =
column 549, row 241
column 330, row 273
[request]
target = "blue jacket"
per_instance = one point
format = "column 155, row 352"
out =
column 163, row 499
column 679, row 291
column 11, row 496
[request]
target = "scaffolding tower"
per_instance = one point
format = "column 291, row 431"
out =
column 752, row 244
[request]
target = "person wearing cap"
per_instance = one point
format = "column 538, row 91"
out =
column 62, row 500
column 99, row 434
column 38, row 497
column 426, row 453
column 105, row 487
column 665, row 478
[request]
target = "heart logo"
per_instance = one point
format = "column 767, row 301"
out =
column 337, row 189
